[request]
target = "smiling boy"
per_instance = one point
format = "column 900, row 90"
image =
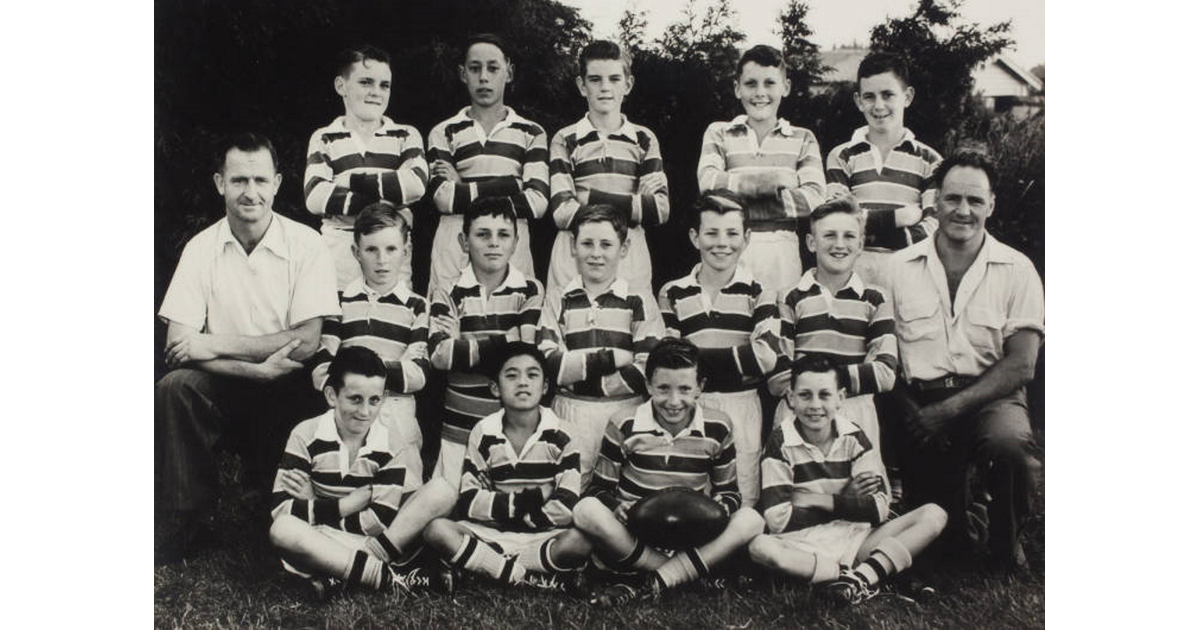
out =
column 605, row 158
column 596, row 333
column 774, row 166
column 362, row 157
column 485, row 150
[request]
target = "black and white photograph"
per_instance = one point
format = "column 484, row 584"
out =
column 571, row 313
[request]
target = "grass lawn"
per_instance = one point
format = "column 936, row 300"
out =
column 239, row 583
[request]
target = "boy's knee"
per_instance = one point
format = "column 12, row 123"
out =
column 747, row 522
column 284, row 532
column 573, row 543
column 439, row 494
column 762, row 550
column 588, row 514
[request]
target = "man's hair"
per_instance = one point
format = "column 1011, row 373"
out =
column 377, row 216
column 353, row 360
column 511, row 350
column 486, row 38
column 881, row 62
column 600, row 213
column 346, row 59
column 721, row 201
column 246, row 141
column 817, row 363
column 763, row 55
column 673, row 353
column 972, row 158
column 844, row 205
column 604, row 49
column 489, row 207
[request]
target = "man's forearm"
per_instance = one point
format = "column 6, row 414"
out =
column 258, row 348
column 1004, row 377
column 231, row 367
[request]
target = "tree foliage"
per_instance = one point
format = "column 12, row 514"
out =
column 803, row 56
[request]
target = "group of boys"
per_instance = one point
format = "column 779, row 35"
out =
column 647, row 393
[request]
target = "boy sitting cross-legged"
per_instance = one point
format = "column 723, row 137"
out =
column 824, row 497
column 520, row 482
column 346, row 502
column 668, row 442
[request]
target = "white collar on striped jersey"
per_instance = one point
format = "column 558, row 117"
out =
column 510, row 116
column 493, row 423
column 740, row 275
column 585, row 126
column 781, row 124
column 273, row 239
column 388, row 123
column 514, row 279
column 377, row 435
column 643, row 420
column 809, row 278
column 359, row 286
column 792, row 437
column 860, row 135
column 619, row 287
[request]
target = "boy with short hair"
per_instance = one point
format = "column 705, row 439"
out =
column 885, row 167
column 669, row 441
column 362, row 157
column 485, row 150
column 520, row 481
column 734, row 321
column 774, row 166
column 596, row 333
column 381, row 313
column 605, row 158
column 824, row 498
column 491, row 304
column 346, row 503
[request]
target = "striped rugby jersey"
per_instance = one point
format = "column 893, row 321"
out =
column 881, row 186
column 638, row 457
column 395, row 325
column 731, row 149
column 608, row 165
column 738, row 334
column 573, row 327
column 485, row 324
column 315, row 448
column 344, row 174
column 853, row 327
column 493, row 474
column 510, row 162
column 791, row 465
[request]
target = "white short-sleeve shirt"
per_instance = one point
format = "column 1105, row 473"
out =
column 219, row 289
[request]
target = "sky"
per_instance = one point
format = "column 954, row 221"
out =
column 834, row 22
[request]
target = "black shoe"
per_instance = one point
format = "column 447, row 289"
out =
column 620, row 594
column 847, row 590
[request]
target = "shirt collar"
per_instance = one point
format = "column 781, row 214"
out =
column 781, row 124
column 810, row 278
column 619, row 287
column 273, row 238
column 377, row 436
column 387, row 124
column 644, row 421
column 493, row 424
column 585, row 126
column 860, row 136
column 792, row 436
column 514, row 279
column 741, row 275
column 992, row 251
column 510, row 116
column 358, row 286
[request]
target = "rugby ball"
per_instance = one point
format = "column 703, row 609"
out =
column 676, row 518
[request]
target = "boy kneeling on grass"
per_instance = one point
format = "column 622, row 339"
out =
column 824, row 499
column 520, row 481
column 346, row 504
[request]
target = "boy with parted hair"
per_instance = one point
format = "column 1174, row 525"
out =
column 362, row 157
column 734, row 321
column 774, row 166
column 605, row 158
column 885, row 167
column 485, row 150
column 824, row 498
column 346, row 503
column 670, row 441
column 380, row 312
column 520, row 482
column 491, row 304
column 596, row 333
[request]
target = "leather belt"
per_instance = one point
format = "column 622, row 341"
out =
column 953, row 381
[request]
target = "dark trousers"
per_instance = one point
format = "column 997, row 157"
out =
column 195, row 411
column 999, row 442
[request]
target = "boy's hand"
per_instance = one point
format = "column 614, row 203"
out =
column 908, row 214
column 444, row 169
column 444, row 324
column 356, row 501
column 278, row 363
column 652, row 183
column 297, row 484
column 190, row 346
column 863, row 484
column 785, row 179
column 928, row 423
column 622, row 511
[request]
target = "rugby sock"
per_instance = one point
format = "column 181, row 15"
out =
column 539, row 559
column 367, row 571
column 682, row 568
column 473, row 555
column 381, row 548
column 888, row 558
column 641, row 558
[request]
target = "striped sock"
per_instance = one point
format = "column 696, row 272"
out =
column 538, row 559
column 682, row 568
column 641, row 558
column 381, row 548
column 888, row 558
column 475, row 556
column 367, row 571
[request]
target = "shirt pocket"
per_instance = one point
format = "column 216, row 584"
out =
column 986, row 329
column 917, row 320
